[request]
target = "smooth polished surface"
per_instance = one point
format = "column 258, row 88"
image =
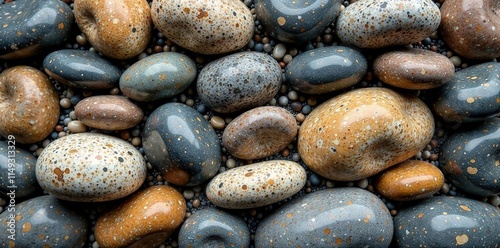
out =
column 17, row 169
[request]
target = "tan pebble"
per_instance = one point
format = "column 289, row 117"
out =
column 76, row 127
column 217, row 122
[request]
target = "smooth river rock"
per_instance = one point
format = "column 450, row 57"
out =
column 17, row 170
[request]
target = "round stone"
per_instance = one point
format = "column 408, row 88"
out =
column 17, row 170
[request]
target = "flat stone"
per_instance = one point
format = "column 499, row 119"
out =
column 17, row 170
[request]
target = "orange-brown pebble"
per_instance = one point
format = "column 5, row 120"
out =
column 410, row 180
column 146, row 219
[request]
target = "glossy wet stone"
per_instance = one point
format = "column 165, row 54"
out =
column 31, row 26
column 211, row 227
column 81, row 69
column 473, row 94
column 44, row 221
column 326, row 69
column 470, row 158
column 296, row 21
column 444, row 221
column 339, row 217
column 360, row 133
column 259, row 132
column 257, row 184
column 239, row 81
column 17, row 170
column 158, row 76
column 145, row 219
column 90, row 167
column 376, row 24
column 181, row 145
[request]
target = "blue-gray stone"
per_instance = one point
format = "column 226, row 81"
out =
column 472, row 95
column 211, row 227
column 81, row 69
column 181, row 145
column 326, row 69
column 296, row 21
column 338, row 217
column 30, row 26
column 470, row 157
column 17, row 170
column 158, row 76
column 445, row 221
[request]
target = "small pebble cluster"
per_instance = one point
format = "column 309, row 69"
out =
column 249, row 123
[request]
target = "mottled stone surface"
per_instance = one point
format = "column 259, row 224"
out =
column 206, row 27
column 29, row 104
column 158, row 76
column 470, row 158
column 473, row 94
column 181, row 145
column 415, row 69
column 239, row 81
column 296, row 21
column 17, row 170
column 326, row 69
column 376, row 23
column 90, row 167
column 211, row 227
column 257, row 184
column 340, row 217
column 445, row 221
column 362, row 132
column 145, row 219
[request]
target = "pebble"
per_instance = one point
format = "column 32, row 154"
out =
column 362, row 132
column 259, row 132
column 473, row 94
column 410, row 180
column 445, row 221
column 30, row 27
column 158, row 76
column 239, row 81
column 43, row 221
column 212, row 227
column 145, row 219
column 81, row 69
column 90, row 167
column 376, row 24
column 470, row 28
column 338, row 217
column 296, row 21
column 17, row 169
column 117, row 29
column 470, row 158
column 76, row 127
column 205, row 27
column 29, row 104
column 108, row 112
column 181, row 145
column 414, row 69
column 326, row 69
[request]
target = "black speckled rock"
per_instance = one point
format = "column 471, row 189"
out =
column 326, row 69
column 81, row 69
column 43, row 221
column 211, row 227
column 29, row 26
column 17, row 170
column 470, row 158
column 339, row 217
column 181, row 145
column 472, row 95
column 444, row 221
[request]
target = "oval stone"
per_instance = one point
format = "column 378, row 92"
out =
column 376, row 24
column 81, row 69
column 362, row 132
column 239, row 81
column 145, row 219
column 108, row 112
column 326, row 69
column 445, row 221
column 257, row 184
column 17, row 170
column 158, row 76
column 259, row 132
column 339, row 217
column 181, row 145
column 90, row 167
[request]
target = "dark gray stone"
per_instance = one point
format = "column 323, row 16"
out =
column 17, row 170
